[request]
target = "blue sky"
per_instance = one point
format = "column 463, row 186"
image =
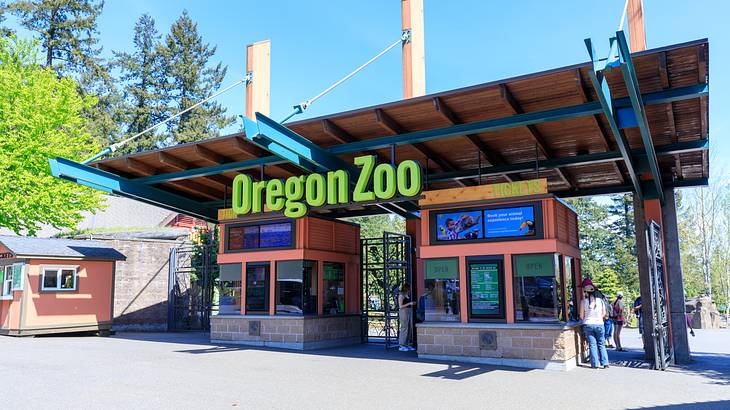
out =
column 315, row 42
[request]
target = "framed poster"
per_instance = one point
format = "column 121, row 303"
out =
column 486, row 287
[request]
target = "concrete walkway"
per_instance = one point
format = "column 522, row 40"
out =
column 184, row 371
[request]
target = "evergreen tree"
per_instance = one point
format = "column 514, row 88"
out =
column 145, row 94
column 4, row 31
column 192, row 80
column 623, row 242
column 67, row 33
column 595, row 236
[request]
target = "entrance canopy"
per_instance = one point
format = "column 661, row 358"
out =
column 647, row 131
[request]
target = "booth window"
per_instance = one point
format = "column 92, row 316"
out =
column 441, row 299
column 537, row 288
column 334, row 288
column 571, row 297
column 486, row 287
column 257, row 287
column 229, row 289
column 58, row 278
column 6, row 279
column 296, row 287
column 260, row 236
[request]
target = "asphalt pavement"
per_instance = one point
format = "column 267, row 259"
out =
column 183, row 371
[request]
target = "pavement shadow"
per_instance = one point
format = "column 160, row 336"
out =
column 452, row 371
column 709, row 405
column 713, row 366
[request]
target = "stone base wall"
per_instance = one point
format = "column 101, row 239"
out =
column 531, row 346
column 288, row 332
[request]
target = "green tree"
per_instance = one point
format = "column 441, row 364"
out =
column 145, row 93
column 623, row 242
column 595, row 235
column 66, row 29
column 41, row 118
column 373, row 226
column 607, row 281
column 4, row 31
column 192, row 79
column 67, row 33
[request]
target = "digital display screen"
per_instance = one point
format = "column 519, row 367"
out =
column 275, row 235
column 454, row 226
column 485, row 289
column 509, row 222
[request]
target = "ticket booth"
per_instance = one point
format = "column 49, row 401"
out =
column 497, row 273
column 288, row 283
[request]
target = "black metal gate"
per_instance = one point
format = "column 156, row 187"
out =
column 663, row 352
column 385, row 264
column 192, row 274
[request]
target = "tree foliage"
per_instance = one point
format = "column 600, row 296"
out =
column 41, row 118
column 146, row 87
column 192, row 80
column 373, row 226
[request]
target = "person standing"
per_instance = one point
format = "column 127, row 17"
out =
column 592, row 313
column 618, row 314
column 405, row 316
column 637, row 312
column 608, row 322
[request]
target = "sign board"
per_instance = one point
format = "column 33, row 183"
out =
column 6, row 255
column 484, row 289
column 446, row 268
column 485, row 192
column 534, row 265
column 507, row 222
column 295, row 195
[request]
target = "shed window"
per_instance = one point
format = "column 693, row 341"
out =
column 59, row 278
column 11, row 278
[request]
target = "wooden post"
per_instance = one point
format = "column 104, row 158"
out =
column 637, row 32
column 258, row 63
column 414, row 60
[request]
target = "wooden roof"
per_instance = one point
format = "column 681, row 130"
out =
column 657, row 70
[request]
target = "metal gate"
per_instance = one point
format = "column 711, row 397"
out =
column 663, row 352
column 385, row 264
column 192, row 274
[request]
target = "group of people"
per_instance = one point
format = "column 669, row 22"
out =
column 601, row 320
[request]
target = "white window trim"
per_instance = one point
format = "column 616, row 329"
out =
column 6, row 283
column 58, row 269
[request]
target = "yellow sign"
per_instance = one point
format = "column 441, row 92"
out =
column 485, row 192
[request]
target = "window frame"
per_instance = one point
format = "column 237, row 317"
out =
column 292, row 239
column 267, row 286
column 314, row 278
column 500, row 317
column 7, row 281
column 59, row 271
column 426, row 261
column 560, row 288
column 324, row 288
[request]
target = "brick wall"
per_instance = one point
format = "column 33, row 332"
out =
column 286, row 331
column 543, row 346
column 140, row 286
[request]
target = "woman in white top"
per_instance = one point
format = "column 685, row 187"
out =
column 593, row 312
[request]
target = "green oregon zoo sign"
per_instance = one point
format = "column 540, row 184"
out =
column 297, row 194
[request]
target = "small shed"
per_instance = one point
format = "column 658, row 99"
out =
column 55, row 285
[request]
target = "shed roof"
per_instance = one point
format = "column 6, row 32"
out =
column 23, row 246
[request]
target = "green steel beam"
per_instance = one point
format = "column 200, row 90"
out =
column 591, row 108
column 600, row 84
column 577, row 160
column 112, row 183
column 632, row 85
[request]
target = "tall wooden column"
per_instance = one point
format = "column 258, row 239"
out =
column 258, row 64
column 675, row 279
column 414, row 58
column 637, row 32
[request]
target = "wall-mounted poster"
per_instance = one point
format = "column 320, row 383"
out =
column 485, row 290
column 509, row 222
column 461, row 225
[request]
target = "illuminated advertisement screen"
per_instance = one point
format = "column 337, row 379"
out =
column 461, row 225
column 509, row 222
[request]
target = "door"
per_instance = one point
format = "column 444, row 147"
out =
column 663, row 352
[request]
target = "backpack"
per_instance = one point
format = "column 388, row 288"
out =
column 609, row 309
